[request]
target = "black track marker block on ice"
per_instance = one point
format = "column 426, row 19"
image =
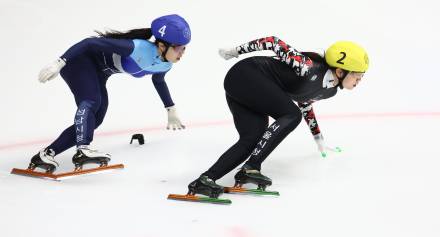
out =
column 139, row 137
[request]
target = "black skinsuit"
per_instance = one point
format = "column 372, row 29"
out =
column 259, row 87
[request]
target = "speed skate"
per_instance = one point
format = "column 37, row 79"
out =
column 31, row 172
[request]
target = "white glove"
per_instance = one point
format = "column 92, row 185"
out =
column 228, row 53
column 319, row 139
column 51, row 71
column 173, row 120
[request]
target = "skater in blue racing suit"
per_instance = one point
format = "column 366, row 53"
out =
column 86, row 66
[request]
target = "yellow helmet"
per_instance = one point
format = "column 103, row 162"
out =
column 348, row 56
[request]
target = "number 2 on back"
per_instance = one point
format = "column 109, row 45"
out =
column 343, row 57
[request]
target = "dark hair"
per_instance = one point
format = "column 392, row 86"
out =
column 142, row 33
column 314, row 56
column 318, row 58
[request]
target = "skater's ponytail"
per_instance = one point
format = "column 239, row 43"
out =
column 314, row 56
column 142, row 33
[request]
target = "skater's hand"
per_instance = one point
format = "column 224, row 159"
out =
column 228, row 53
column 173, row 120
column 322, row 147
column 51, row 71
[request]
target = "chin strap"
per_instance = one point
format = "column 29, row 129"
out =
column 340, row 79
column 164, row 53
column 167, row 46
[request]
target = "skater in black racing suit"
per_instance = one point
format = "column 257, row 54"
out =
column 259, row 87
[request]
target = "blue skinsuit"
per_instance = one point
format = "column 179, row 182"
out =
column 89, row 64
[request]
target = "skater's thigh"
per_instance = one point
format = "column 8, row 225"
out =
column 82, row 77
column 249, row 124
column 257, row 91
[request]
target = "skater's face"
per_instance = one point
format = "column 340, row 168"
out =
column 352, row 80
column 174, row 52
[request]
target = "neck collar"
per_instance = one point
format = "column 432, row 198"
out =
column 329, row 80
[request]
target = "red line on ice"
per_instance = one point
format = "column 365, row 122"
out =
column 227, row 122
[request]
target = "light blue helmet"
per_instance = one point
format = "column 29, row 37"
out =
column 172, row 29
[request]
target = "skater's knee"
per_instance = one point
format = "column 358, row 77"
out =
column 100, row 115
column 290, row 120
column 99, row 121
column 90, row 104
column 248, row 142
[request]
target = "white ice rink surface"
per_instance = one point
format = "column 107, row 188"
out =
column 384, row 183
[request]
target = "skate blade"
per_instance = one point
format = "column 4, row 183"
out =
column 193, row 198
column 240, row 190
column 98, row 170
column 33, row 173
column 66, row 175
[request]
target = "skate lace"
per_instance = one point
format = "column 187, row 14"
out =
column 209, row 180
column 252, row 171
column 87, row 149
column 49, row 154
column 93, row 151
column 90, row 151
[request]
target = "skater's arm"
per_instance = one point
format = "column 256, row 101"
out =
column 285, row 52
column 309, row 117
column 308, row 114
column 122, row 47
column 162, row 89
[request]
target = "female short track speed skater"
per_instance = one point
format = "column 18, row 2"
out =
column 87, row 65
column 259, row 87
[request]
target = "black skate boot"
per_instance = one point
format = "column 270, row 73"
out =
column 249, row 175
column 205, row 186
column 44, row 160
column 84, row 155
